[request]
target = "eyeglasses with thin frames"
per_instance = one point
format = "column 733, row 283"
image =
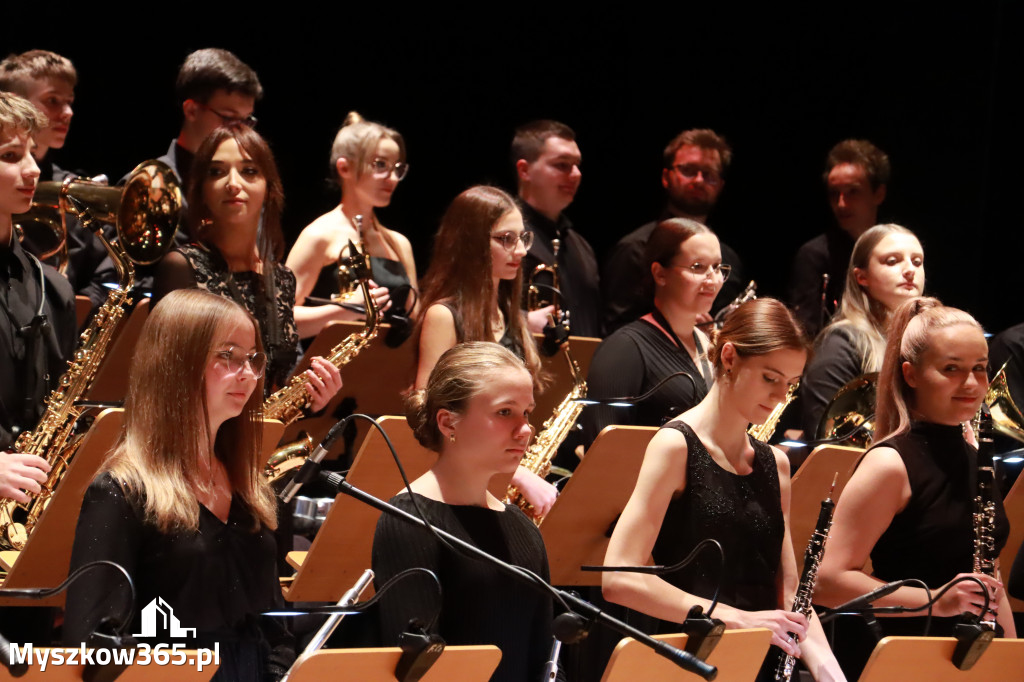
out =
column 382, row 168
column 690, row 171
column 231, row 121
column 702, row 271
column 235, row 361
column 508, row 239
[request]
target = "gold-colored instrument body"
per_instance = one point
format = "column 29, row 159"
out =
column 764, row 432
column 1006, row 416
column 537, row 298
column 145, row 213
column 850, row 416
column 349, row 275
column 44, row 225
column 552, row 434
column 286, row 404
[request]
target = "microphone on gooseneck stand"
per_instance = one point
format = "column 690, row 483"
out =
column 310, row 467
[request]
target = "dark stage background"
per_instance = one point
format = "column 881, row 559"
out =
column 936, row 88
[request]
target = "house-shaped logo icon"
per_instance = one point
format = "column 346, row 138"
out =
column 158, row 620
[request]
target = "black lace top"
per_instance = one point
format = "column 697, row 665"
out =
column 208, row 270
column 744, row 513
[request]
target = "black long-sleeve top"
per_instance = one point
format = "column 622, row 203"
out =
column 480, row 605
column 217, row 580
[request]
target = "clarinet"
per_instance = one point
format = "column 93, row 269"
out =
column 805, row 590
column 984, row 516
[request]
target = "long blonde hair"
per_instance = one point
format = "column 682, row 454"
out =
column 910, row 334
column 862, row 316
column 166, row 431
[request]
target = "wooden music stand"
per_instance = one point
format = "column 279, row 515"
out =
column 111, row 383
column 456, row 664
column 810, row 486
column 133, row 673
column 576, row 530
column 45, row 559
column 738, row 657
column 1014, row 505
column 342, row 548
column 896, row 659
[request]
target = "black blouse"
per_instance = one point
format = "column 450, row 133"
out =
column 217, row 580
column 479, row 604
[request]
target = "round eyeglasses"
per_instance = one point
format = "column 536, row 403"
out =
column 508, row 239
column 233, row 361
column 382, row 168
column 702, row 271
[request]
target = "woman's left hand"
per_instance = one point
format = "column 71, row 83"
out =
column 536, row 490
column 537, row 319
column 323, row 381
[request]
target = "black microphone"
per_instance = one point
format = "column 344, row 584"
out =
column 15, row 669
column 309, row 468
column 865, row 600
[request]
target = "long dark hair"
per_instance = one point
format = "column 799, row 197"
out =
column 461, row 270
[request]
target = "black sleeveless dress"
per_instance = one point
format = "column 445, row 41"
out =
column 932, row 539
column 743, row 513
column 385, row 272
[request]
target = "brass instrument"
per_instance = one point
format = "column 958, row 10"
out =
column 535, row 298
column 748, row 294
column 809, row 576
column 1006, row 416
column 850, row 416
column 44, row 225
column 764, row 432
column 552, row 434
column 286, row 404
column 145, row 213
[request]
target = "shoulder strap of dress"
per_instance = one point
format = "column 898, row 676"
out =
column 456, row 318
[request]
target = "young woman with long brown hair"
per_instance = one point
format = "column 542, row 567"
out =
column 180, row 502
column 909, row 505
column 235, row 201
column 704, row 477
column 472, row 290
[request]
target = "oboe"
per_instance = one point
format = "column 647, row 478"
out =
column 805, row 590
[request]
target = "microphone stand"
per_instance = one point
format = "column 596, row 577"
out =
column 592, row 613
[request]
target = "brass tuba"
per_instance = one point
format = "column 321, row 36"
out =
column 145, row 213
column 535, row 298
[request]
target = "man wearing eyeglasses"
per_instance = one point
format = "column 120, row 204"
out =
column 695, row 162
column 547, row 164
column 215, row 89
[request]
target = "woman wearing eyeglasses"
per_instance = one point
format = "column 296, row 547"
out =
column 369, row 162
column 472, row 290
column 685, row 262
column 178, row 503
column 235, row 195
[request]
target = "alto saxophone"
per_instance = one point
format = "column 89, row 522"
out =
column 286, row 404
column 805, row 590
column 552, row 434
column 146, row 215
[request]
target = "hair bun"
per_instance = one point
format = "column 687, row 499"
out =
column 352, row 118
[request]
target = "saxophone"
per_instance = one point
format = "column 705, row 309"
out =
column 805, row 590
column 764, row 432
column 554, row 431
column 286, row 404
column 146, row 216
